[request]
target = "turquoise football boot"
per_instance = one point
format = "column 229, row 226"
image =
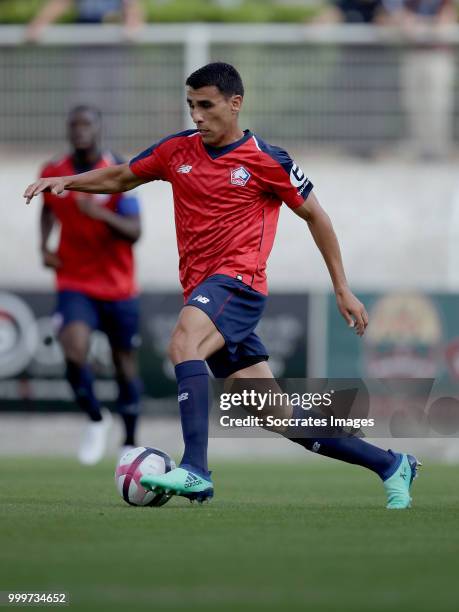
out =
column 180, row 481
column 398, row 485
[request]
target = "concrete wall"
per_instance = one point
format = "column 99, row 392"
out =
column 394, row 220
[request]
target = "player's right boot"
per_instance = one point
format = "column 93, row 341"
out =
column 94, row 440
column 398, row 485
column 181, row 481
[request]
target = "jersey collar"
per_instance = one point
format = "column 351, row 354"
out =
column 215, row 152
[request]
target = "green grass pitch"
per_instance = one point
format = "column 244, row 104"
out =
column 277, row 537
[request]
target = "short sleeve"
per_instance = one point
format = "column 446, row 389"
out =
column 282, row 176
column 151, row 164
column 128, row 205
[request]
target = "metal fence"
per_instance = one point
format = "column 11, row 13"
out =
column 305, row 85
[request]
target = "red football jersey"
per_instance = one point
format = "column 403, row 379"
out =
column 226, row 201
column 95, row 260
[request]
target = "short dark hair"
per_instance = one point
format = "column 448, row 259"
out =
column 87, row 108
column 223, row 76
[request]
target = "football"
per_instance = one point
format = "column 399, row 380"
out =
column 132, row 466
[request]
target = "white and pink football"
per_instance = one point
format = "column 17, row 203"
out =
column 134, row 464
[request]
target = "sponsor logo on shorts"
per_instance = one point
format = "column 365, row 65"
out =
column 202, row 299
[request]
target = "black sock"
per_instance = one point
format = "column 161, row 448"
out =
column 130, row 425
column 81, row 380
column 193, row 397
column 129, row 408
column 345, row 447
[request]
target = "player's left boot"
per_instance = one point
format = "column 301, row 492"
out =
column 180, row 481
column 398, row 485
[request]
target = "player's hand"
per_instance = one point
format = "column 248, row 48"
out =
column 90, row 207
column 352, row 310
column 50, row 259
column 55, row 185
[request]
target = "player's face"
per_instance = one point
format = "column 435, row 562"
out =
column 83, row 131
column 214, row 115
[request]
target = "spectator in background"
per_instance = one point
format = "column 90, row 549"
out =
column 88, row 11
column 351, row 11
column 97, row 72
column 356, row 81
column 427, row 72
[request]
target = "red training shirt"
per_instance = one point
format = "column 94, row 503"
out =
column 226, row 201
column 95, row 260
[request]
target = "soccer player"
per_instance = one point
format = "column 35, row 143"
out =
column 94, row 266
column 228, row 187
column 87, row 11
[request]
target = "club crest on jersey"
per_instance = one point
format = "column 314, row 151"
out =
column 240, row 176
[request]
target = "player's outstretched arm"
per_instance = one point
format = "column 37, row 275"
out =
column 324, row 236
column 113, row 179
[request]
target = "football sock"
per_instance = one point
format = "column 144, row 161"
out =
column 81, row 380
column 129, row 407
column 344, row 447
column 193, row 397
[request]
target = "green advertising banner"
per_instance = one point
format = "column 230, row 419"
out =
column 410, row 335
column 32, row 367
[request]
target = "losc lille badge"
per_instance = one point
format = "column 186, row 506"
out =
column 240, row 176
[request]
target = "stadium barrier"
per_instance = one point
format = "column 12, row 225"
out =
column 332, row 85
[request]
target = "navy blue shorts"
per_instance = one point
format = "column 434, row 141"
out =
column 235, row 309
column 119, row 319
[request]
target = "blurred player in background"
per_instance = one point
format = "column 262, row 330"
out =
column 428, row 71
column 94, row 266
column 228, row 187
column 88, row 11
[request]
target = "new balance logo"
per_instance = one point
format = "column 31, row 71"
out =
column 403, row 474
column 192, row 480
column 182, row 397
column 201, row 298
column 184, row 169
